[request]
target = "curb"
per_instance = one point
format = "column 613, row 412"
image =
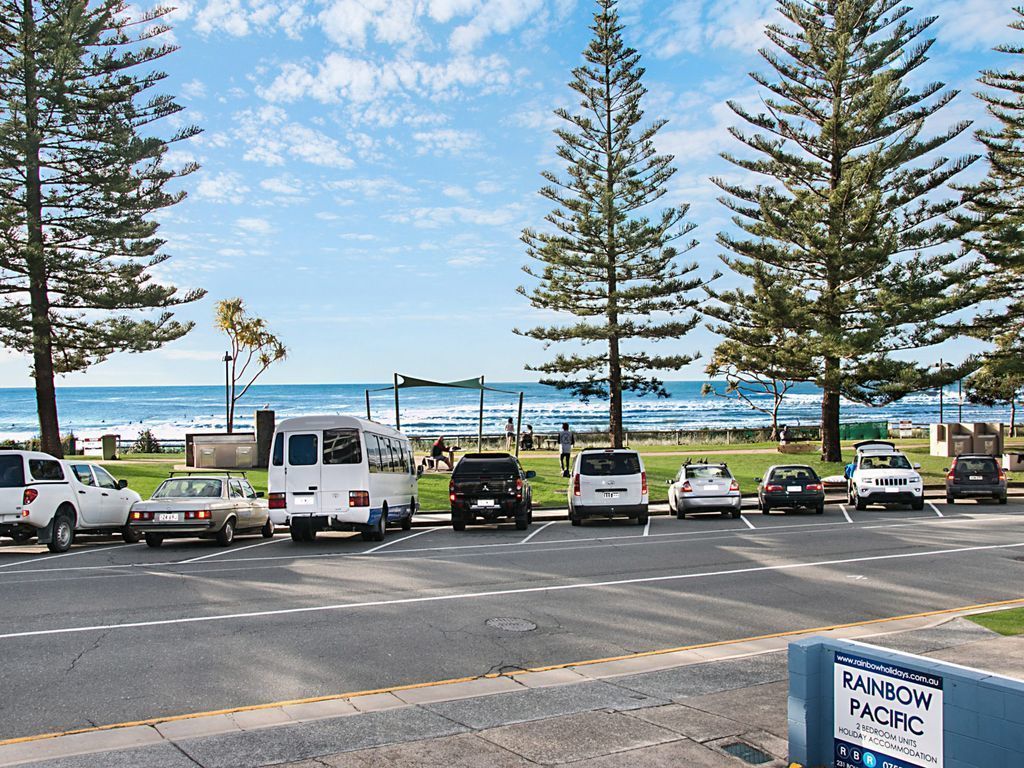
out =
column 153, row 731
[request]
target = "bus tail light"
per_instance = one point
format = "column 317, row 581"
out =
column 277, row 501
column 30, row 495
column 359, row 498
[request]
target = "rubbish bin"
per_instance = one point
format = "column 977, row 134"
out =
column 987, row 444
column 108, row 447
column 1013, row 462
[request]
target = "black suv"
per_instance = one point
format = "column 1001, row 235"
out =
column 972, row 476
column 488, row 487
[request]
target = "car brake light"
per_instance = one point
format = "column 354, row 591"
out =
column 734, row 486
column 142, row 515
column 815, row 487
column 773, row 488
column 359, row 498
column 197, row 514
column 519, row 488
column 277, row 501
column 576, row 486
column 643, row 483
column 686, row 487
column 451, row 486
column 30, row 495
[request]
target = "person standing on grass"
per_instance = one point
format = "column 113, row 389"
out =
column 510, row 434
column 566, row 440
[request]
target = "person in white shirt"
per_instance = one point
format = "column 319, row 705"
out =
column 566, row 440
column 510, row 434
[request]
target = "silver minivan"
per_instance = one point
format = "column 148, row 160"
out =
column 607, row 483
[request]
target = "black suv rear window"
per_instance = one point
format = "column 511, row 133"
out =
column 12, row 472
column 604, row 464
column 486, row 467
column 794, row 475
column 976, row 466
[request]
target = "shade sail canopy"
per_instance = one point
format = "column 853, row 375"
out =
column 409, row 382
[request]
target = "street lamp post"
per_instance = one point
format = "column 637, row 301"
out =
column 227, row 390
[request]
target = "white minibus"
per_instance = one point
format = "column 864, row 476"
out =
column 341, row 473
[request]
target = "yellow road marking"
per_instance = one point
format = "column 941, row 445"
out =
column 452, row 681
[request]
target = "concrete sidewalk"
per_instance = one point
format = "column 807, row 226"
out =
column 696, row 708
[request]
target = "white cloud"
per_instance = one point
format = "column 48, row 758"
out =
column 493, row 17
column 443, row 11
column 488, row 187
column 469, row 260
column 238, row 18
column 254, row 226
column 437, row 216
column 347, row 22
column 975, row 24
column 445, row 141
column 223, row 15
column 226, row 187
column 271, row 138
column 687, row 26
column 193, row 89
column 383, row 187
column 283, row 185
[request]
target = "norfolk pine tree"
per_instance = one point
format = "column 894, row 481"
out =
column 80, row 176
column 852, row 217
column 604, row 261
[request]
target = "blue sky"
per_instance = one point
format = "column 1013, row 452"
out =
column 368, row 166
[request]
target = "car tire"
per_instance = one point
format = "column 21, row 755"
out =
column 736, row 514
column 154, row 540
column 950, row 499
column 522, row 523
column 130, row 536
column 63, row 535
column 766, row 508
column 917, row 505
column 820, row 509
column 378, row 531
column 1002, row 499
column 407, row 520
column 267, row 531
column 642, row 519
column 458, row 523
column 576, row 521
column 858, row 503
column 680, row 514
column 296, row 532
column 226, row 534
column 851, row 498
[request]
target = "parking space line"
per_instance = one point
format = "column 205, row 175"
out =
column 229, row 550
column 846, row 514
column 572, row 586
column 647, row 527
column 537, row 530
column 399, row 541
column 47, row 558
column 750, row 525
column 935, row 509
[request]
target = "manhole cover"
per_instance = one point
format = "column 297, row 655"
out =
column 511, row 625
column 747, row 753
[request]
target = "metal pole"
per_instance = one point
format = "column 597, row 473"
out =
column 368, row 406
column 942, row 415
column 227, row 392
column 960, row 400
column 480, row 427
column 398, row 421
column 519, row 423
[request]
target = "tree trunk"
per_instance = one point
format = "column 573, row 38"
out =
column 775, row 418
column 831, row 449
column 1013, row 418
column 42, row 330
column 614, row 361
column 615, row 394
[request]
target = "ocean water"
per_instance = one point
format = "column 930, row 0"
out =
column 172, row 411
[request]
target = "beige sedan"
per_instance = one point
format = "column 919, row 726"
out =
column 202, row 505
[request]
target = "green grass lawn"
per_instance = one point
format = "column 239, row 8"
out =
column 549, row 487
column 1009, row 622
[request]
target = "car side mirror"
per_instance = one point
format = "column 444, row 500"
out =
column 917, row 465
column 122, row 484
column 259, row 494
column 530, row 474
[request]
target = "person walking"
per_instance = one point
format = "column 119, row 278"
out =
column 566, row 440
column 510, row 434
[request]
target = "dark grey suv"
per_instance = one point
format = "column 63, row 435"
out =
column 976, row 477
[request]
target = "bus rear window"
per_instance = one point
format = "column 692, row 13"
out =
column 342, row 446
column 302, row 450
column 12, row 472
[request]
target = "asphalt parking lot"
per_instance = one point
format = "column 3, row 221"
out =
column 110, row 632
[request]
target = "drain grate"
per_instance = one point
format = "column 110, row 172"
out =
column 747, row 753
column 509, row 624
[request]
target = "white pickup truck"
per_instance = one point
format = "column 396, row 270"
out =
column 52, row 500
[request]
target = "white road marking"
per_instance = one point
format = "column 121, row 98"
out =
column 647, row 527
column 537, row 530
column 846, row 514
column 399, row 541
column 935, row 509
column 229, row 550
column 503, row 592
column 750, row 525
column 99, row 548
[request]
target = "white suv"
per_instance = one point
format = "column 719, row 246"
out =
column 51, row 500
column 608, row 482
column 880, row 474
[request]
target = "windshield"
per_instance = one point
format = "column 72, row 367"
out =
column 12, row 472
column 889, row 461
column 605, row 464
column 189, row 488
column 976, row 466
column 708, row 473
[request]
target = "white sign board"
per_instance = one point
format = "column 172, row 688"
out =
column 886, row 716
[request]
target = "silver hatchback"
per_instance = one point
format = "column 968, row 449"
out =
column 705, row 488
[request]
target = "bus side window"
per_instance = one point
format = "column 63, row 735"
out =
column 372, row 452
column 278, row 450
column 395, row 461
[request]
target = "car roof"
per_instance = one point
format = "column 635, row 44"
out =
column 299, row 423
column 488, row 456
column 875, row 447
column 975, row 456
column 607, row 450
column 707, row 464
column 790, row 466
column 27, row 454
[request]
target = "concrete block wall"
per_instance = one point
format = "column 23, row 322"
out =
column 983, row 713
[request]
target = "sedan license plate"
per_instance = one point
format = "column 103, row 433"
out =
column 793, row 489
column 485, row 503
column 976, row 477
column 710, row 487
column 168, row 517
column 610, row 495
column 303, row 501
